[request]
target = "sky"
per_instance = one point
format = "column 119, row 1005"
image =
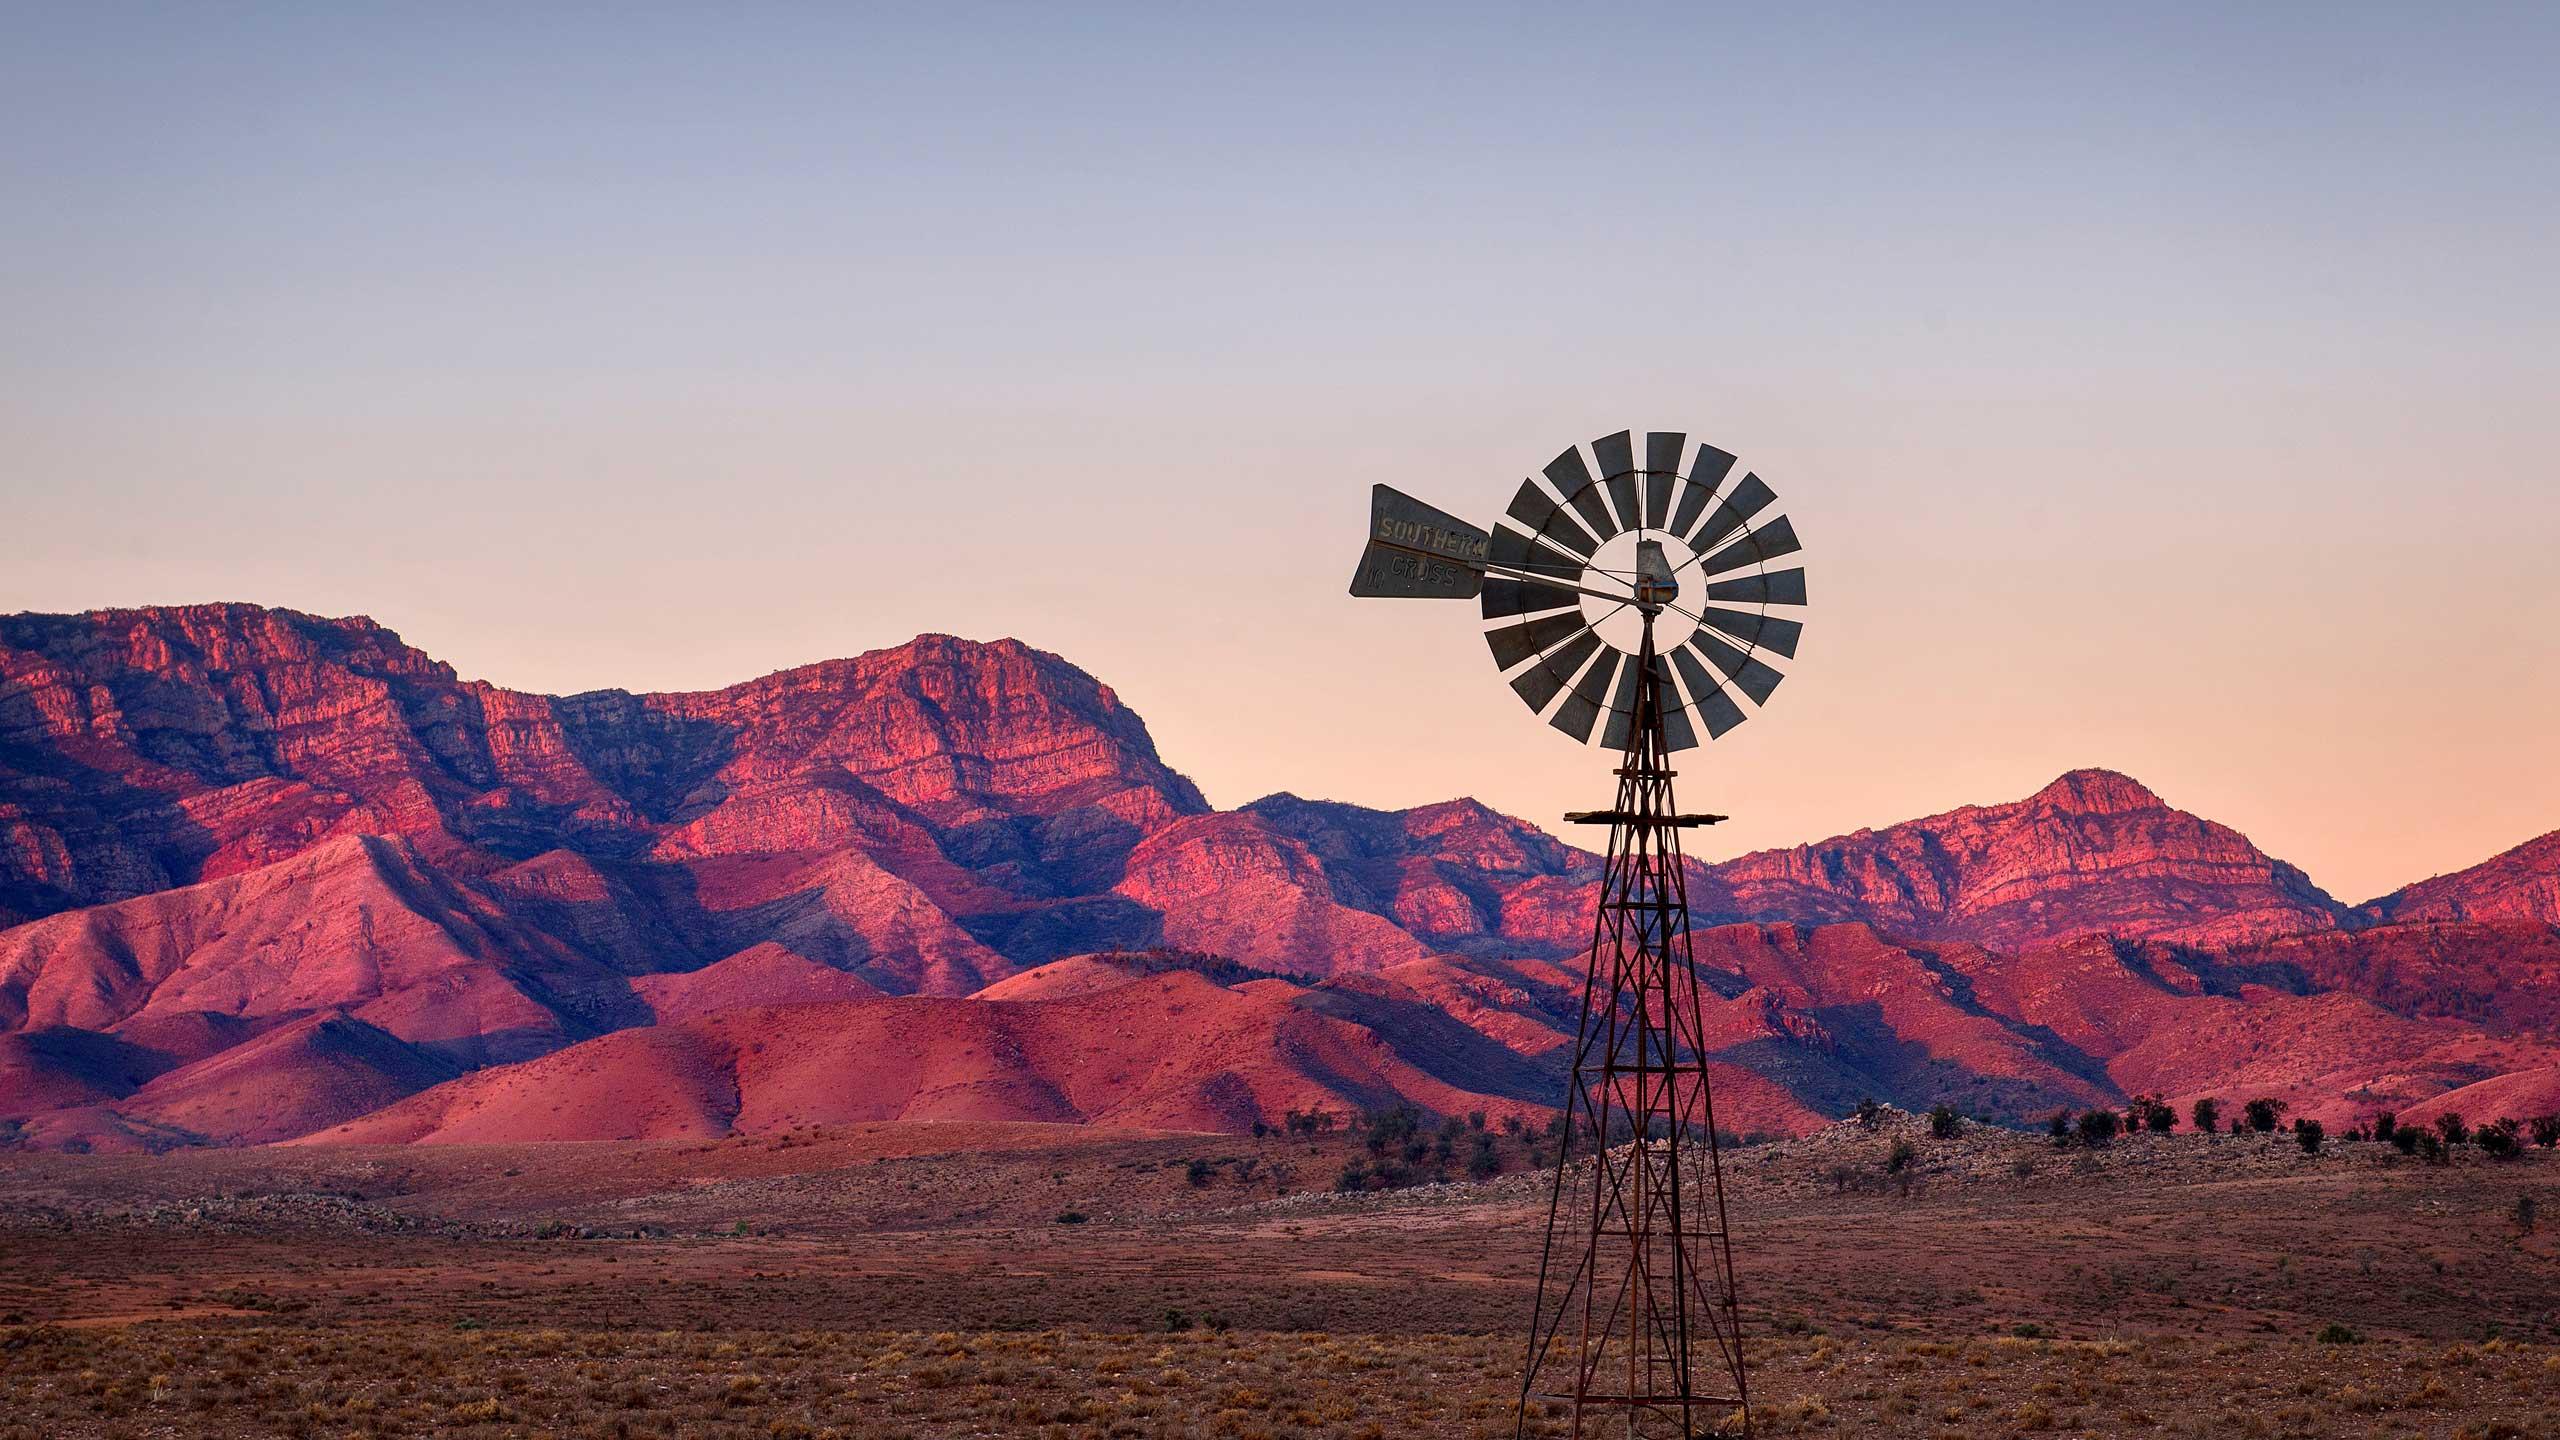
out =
column 2171, row 389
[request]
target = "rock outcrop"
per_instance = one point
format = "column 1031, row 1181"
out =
column 2092, row 853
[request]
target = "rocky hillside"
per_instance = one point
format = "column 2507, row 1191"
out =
column 2522, row 884
column 264, row 874
column 2091, row 853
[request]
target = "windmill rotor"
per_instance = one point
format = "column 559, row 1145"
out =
column 1684, row 537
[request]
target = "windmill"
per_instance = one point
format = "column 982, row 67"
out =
column 1581, row 585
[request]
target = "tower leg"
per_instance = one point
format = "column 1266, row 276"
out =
column 1637, row 1328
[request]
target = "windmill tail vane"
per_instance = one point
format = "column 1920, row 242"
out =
column 1637, row 1327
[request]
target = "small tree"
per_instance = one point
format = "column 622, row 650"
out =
column 2407, row 1138
column 1199, row 1172
column 2385, row 1125
column 2546, row 1131
column 1899, row 1158
column 2161, row 1118
column 1943, row 1121
column 2059, row 1127
column 2206, row 1114
column 2263, row 1114
column 1866, row 1111
column 2450, row 1129
column 2498, row 1138
column 2097, row 1127
column 2308, row 1134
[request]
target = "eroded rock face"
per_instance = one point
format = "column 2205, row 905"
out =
column 141, row 749
column 2092, row 853
column 2521, row 884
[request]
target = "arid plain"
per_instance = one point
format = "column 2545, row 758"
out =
column 953, row 1279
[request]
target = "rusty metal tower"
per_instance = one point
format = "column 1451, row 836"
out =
column 1636, row 1332
column 1636, row 1327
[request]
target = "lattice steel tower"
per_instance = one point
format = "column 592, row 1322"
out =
column 1637, row 1327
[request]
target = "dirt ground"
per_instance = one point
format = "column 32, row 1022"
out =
column 1027, row 1280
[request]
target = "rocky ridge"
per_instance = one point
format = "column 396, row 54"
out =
column 273, row 873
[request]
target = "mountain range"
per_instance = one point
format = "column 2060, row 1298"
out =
column 266, row 876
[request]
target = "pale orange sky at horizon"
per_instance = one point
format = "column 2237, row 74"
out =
column 2159, row 393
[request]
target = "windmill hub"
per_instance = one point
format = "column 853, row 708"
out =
column 1652, row 581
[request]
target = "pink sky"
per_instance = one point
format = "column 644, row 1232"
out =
column 2166, row 393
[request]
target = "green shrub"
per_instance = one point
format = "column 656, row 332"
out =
column 2450, row 1129
column 1071, row 1217
column 2334, row 1333
column 2308, row 1134
column 2546, row 1130
column 2263, row 1114
column 2097, row 1127
column 1944, row 1121
column 2498, row 1138
column 2206, row 1115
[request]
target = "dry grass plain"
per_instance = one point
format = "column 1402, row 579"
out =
column 918, row 1281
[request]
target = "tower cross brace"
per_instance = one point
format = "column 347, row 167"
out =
column 1637, row 1330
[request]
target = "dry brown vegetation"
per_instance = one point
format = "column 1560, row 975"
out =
column 1086, row 1385
column 915, row 1281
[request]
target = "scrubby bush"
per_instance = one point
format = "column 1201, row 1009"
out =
column 2385, row 1126
column 2546, row 1131
column 2263, row 1114
column 2160, row 1119
column 1390, row 1127
column 2059, row 1127
column 1482, row 1162
column 2498, row 1138
column 1944, row 1121
column 2450, row 1129
column 2308, row 1134
column 2206, row 1115
column 1310, row 1121
column 1866, row 1112
column 1899, row 1158
column 2097, row 1127
column 1071, row 1217
column 1199, row 1172
column 2408, row 1138
column 2334, row 1333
